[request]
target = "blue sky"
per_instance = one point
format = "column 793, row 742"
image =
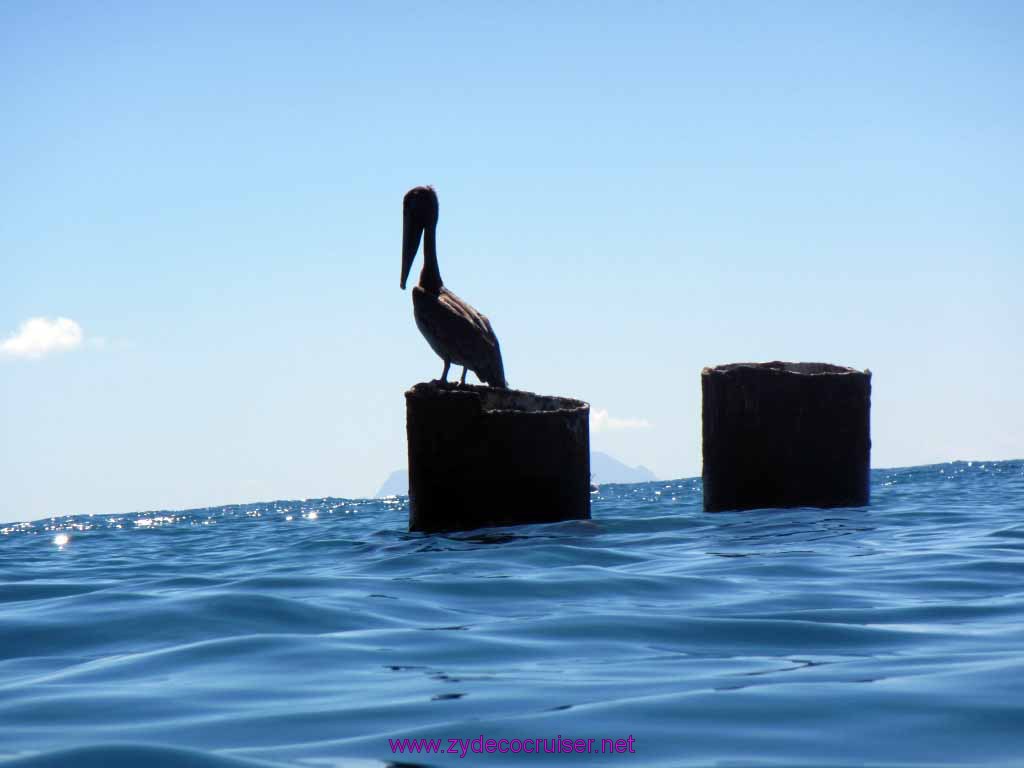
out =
column 630, row 191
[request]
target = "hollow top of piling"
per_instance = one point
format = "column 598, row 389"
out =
column 495, row 400
column 799, row 369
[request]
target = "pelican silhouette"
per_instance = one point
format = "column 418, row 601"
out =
column 454, row 329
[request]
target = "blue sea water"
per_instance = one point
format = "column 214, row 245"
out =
column 309, row 633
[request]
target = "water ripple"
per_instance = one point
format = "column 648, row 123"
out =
column 308, row 633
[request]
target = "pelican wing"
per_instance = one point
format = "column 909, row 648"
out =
column 470, row 313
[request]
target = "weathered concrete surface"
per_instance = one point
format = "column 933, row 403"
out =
column 480, row 456
column 786, row 435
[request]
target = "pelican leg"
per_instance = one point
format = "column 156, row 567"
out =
column 444, row 373
column 462, row 381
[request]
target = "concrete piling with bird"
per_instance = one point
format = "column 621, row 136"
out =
column 481, row 455
column 484, row 456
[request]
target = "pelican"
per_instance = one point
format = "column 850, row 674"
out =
column 454, row 329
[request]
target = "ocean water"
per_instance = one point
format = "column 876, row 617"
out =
column 310, row 633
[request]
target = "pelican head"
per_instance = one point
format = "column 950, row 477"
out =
column 419, row 211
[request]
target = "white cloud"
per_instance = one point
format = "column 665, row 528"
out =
column 41, row 336
column 600, row 421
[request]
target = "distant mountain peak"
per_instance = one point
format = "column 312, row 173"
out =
column 603, row 469
column 608, row 469
column 397, row 484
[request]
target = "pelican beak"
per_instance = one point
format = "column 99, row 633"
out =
column 412, row 231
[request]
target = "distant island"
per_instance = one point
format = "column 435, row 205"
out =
column 603, row 469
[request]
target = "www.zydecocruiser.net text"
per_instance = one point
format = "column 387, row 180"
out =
column 481, row 745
